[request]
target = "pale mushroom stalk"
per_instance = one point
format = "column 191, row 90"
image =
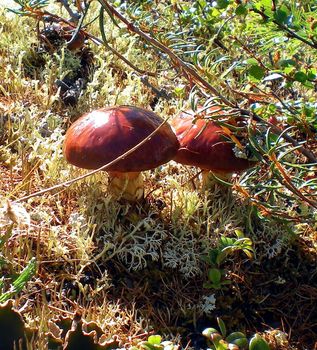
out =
column 129, row 186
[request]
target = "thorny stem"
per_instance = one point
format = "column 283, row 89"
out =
column 174, row 58
column 104, row 167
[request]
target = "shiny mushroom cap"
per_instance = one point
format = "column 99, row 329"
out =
column 103, row 135
column 204, row 144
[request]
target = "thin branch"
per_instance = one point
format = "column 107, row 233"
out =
column 174, row 58
column 105, row 43
column 74, row 15
column 160, row 93
column 283, row 27
column 285, row 179
column 79, row 26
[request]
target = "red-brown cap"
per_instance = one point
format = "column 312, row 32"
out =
column 103, row 135
column 204, row 144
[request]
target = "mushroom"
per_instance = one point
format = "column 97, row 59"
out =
column 103, row 135
column 207, row 145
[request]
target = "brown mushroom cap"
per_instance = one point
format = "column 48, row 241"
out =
column 204, row 144
column 103, row 135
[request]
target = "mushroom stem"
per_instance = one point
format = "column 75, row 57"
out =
column 209, row 181
column 127, row 186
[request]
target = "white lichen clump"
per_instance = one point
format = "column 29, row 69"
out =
column 140, row 244
column 207, row 304
column 181, row 253
column 174, row 239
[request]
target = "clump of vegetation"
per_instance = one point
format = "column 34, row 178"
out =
column 121, row 274
column 234, row 340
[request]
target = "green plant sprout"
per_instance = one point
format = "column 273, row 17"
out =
column 226, row 246
column 11, row 216
column 233, row 341
column 18, row 283
column 154, row 342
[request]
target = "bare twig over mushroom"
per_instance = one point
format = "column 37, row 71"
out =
column 104, row 167
column 102, row 135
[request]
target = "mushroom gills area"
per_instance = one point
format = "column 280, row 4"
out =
column 128, row 186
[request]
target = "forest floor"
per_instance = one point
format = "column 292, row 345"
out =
column 134, row 270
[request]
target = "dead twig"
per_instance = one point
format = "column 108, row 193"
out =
column 104, row 168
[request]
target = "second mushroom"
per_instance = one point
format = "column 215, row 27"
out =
column 205, row 144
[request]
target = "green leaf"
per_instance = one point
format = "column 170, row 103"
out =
column 280, row 16
column 300, row 76
column 222, row 326
column 256, row 72
column 222, row 4
column 311, row 75
column 214, row 275
column 213, row 255
column 251, row 61
column 239, row 233
column 241, row 10
column 258, row 343
column 221, row 257
column 25, row 275
column 289, row 69
column 286, row 63
column 18, row 284
column 209, row 285
column 237, row 338
column 264, row 5
column 309, row 85
column 208, row 332
column 222, row 345
column 217, row 340
column 154, row 339
column 179, row 91
column 248, row 253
